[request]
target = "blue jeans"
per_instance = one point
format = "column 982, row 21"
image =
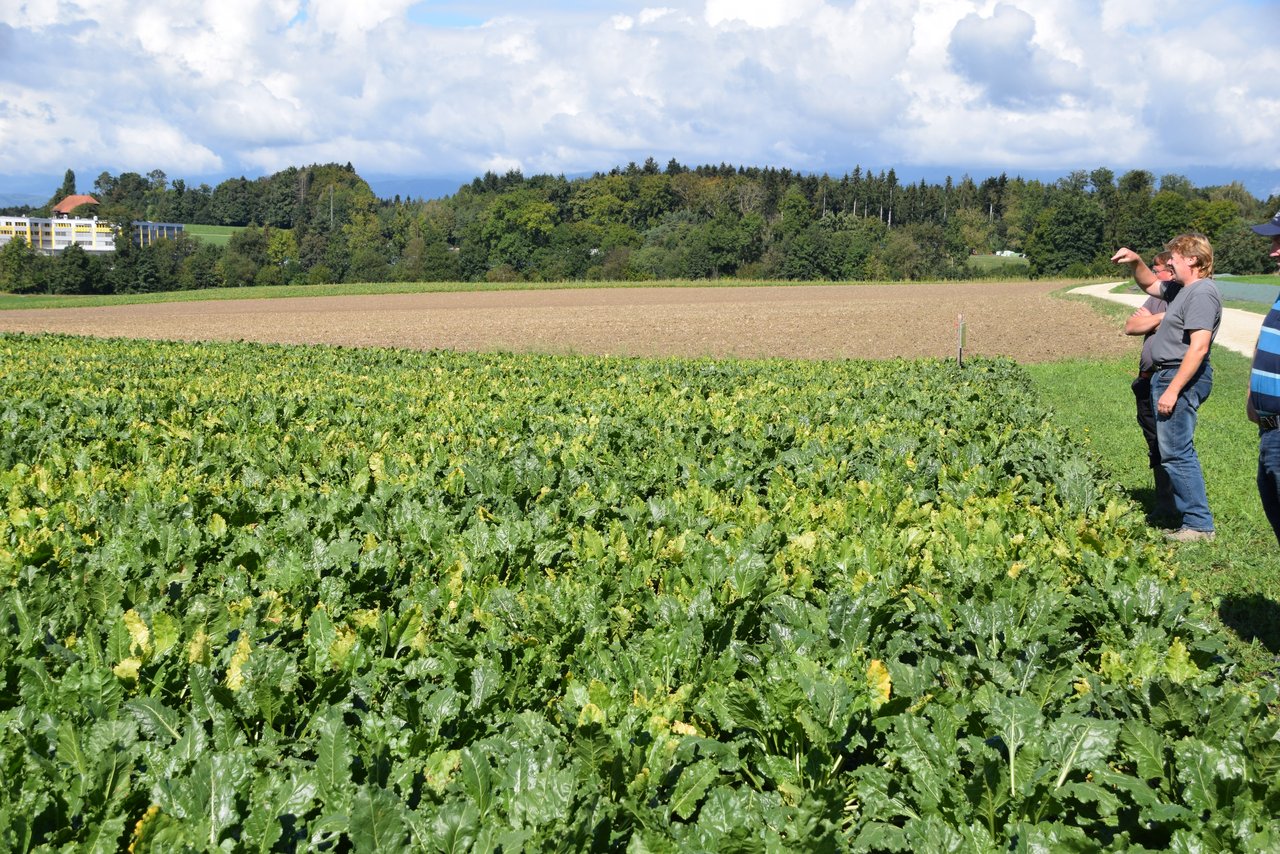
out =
column 1269, row 477
column 1176, row 433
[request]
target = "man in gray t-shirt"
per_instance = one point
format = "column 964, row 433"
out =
column 1197, row 306
column 1183, row 376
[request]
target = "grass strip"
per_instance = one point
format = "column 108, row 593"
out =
column 1237, row 572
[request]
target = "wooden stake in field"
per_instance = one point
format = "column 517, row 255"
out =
column 960, row 340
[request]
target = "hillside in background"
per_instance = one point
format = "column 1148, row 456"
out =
column 326, row 223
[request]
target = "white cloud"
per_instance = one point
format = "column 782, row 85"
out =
column 999, row 54
column 498, row 164
column 347, row 21
column 762, row 14
column 143, row 143
column 648, row 16
column 343, row 149
column 981, row 86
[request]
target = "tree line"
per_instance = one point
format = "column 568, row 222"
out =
column 323, row 223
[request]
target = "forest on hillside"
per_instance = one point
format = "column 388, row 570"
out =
column 322, row 223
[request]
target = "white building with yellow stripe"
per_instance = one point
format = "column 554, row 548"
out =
column 52, row 236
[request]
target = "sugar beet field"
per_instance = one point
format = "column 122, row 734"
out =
column 295, row 598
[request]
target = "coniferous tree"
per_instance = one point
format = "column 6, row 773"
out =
column 68, row 188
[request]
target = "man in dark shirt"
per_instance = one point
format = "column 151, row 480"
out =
column 1144, row 322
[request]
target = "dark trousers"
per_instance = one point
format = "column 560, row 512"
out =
column 1146, row 418
column 1269, row 477
column 1147, row 421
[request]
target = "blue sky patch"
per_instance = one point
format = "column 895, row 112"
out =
column 444, row 15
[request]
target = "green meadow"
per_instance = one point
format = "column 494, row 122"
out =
column 1239, row 571
column 218, row 235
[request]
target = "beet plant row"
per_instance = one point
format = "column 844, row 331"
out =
column 266, row 598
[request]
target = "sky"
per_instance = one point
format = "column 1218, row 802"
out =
column 422, row 88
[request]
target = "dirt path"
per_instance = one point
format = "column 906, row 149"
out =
column 1020, row 320
column 1238, row 332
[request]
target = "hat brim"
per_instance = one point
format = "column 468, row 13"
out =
column 1267, row 229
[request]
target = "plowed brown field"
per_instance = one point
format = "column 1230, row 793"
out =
column 1022, row 320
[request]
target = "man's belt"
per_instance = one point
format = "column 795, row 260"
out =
column 1269, row 422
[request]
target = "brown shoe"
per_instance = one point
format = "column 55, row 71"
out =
column 1189, row 535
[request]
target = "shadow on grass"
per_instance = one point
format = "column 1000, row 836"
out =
column 1253, row 617
column 1145, row 497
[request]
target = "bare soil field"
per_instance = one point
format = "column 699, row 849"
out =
column 1021, row 320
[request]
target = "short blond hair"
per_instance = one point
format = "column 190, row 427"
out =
column 1194, row 247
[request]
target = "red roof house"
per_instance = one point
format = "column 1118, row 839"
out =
column 70, row 203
